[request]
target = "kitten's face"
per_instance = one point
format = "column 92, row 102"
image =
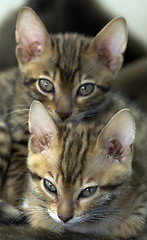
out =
column 69, row 74
column 70, row 81
column 71, row 190
column 76, row 172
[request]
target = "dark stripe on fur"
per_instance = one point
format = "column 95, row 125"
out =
column 3, row 130
column 67, row 131
column 4, row 156
column 35, row 176
column 110, row 187
column 103, row 88
column 29, row 82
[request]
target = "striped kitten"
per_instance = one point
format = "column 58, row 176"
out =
column 82, row 177
column 69, row 73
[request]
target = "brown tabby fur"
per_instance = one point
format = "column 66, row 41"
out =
column 28, row 233
column 74, row 160
column 66, row 66
column 66, row 60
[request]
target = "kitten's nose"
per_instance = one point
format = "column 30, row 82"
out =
column 63, row 115
column 65, row 210
column 65, row 218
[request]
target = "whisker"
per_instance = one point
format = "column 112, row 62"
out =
column 20, row 116
column 8, row 113
column 18, row 105
column 20, row 110
column 20, row 173
column 18, row 119
column 19, row 219
column 19, row 125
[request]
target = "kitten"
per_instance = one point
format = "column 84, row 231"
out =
column 86, row 17
column 48, row 63
column 84, row 65
column 85, row 177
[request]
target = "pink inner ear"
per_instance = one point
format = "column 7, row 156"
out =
column 34, row 50
column 30, row 46
column 115, row 149
column 109, row 51
column 29, row 53
column 39, row 144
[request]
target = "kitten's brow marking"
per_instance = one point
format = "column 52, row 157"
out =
column 29, row 81
column 35, row 176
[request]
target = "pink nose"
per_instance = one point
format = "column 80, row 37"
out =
column 65, row 218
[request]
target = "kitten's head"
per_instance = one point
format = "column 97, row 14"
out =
column 77, row 171
column 69, row 73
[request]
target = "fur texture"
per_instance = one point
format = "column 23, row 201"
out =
column 82, row 177
column 71, row 75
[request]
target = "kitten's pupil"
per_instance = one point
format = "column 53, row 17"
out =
column 46, row 85
column 49, row 186
column 88, row 192
column 86, row 89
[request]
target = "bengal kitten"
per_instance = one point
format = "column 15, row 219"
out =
column 70, row 74
column 86, row 177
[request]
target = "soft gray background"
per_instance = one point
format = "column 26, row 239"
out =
column 135, row 12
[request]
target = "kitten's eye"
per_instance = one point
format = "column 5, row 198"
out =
column 88, row 192
column 85, row 89
column 49, row 186
column 46, row 85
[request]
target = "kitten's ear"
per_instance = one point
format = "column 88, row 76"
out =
column 31, row 35
column 118, row 135
column 110, row 43
column 41, row 125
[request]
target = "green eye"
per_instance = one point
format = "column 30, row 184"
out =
column 87, row 192
column 49, row 186
column 85, row 89
column 46, row 85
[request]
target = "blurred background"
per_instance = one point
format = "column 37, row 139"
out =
column 135, row 13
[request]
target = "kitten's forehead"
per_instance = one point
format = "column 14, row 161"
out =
column 69, row 48
column 76, row 146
